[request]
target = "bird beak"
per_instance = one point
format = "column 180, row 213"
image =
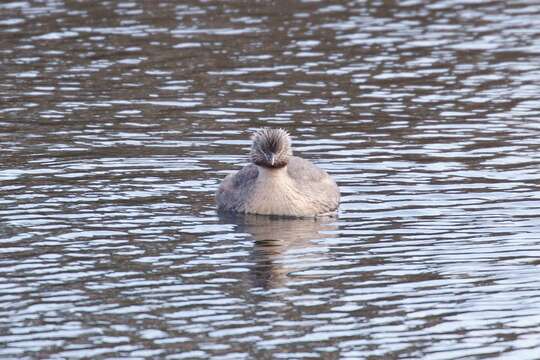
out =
column 272, row 159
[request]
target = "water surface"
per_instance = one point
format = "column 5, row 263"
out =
column 119, row 119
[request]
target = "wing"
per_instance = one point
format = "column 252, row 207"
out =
column 233, row 192
column 304, row 170
column 314, row 182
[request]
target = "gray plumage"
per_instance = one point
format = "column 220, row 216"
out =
column 277, row 183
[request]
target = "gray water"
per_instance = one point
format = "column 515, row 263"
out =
column 119, row 119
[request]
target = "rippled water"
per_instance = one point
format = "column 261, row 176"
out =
column 119, row 119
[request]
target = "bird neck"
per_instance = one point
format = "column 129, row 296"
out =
column 271, row 173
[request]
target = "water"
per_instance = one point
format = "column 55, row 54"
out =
column 119, row 119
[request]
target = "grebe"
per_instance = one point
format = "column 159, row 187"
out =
column 278, row 183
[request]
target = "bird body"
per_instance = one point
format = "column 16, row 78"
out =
column 277, row 183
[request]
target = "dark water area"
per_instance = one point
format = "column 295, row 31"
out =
column 119, row 119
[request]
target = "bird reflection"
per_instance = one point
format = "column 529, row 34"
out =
column 285, row 249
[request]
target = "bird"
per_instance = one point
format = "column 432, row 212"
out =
column 277, row 183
